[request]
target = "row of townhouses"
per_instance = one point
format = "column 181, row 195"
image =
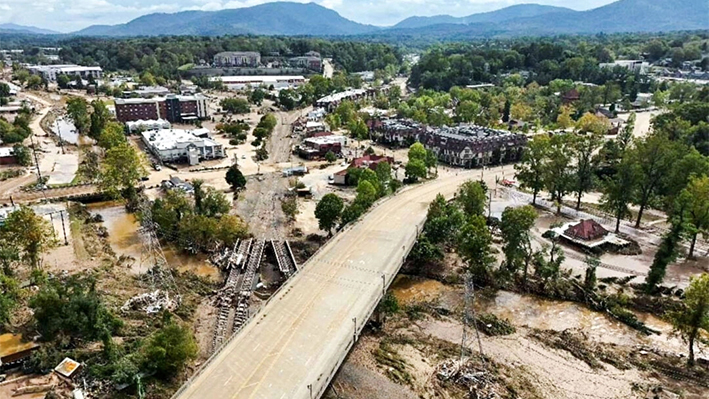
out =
column 466, row 145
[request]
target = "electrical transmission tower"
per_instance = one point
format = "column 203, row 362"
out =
column 152, row 256
column 470, row 308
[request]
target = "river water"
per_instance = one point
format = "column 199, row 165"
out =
column 124, row 239
column 534, row 312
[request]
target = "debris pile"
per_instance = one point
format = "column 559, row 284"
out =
column 151, row 302
column 480, row 384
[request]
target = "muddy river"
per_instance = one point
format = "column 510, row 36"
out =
column 124, row 239
column 534, row 312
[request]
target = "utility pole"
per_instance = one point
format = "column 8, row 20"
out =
column 384, row 284
column 61, row 214
column 354, row 320
column 36, row 160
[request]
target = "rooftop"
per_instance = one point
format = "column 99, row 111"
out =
column 258, row 78
column 67, row 367
column 179, row 97
column 11, row 344
column 342, row 95
column 168, row 139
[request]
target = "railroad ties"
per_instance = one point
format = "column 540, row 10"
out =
column 242, row 265
column 247, row 284
column 227, row 295
column 284, row 257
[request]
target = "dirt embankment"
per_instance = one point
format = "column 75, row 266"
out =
column 531, row 348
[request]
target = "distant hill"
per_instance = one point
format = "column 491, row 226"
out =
column 279, row 18
column 294, row 19
column 621, row 16
column 14, row 28
column 497, row 16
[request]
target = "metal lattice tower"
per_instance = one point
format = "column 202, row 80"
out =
column 151, row 254
column 470, row 308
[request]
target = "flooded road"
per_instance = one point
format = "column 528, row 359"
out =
column 66, row 131
column 125, row 241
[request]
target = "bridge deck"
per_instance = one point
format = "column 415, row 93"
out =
column 304, row 332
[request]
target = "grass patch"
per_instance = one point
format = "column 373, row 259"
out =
column 395, row 367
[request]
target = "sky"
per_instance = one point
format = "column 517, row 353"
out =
column 72, row 15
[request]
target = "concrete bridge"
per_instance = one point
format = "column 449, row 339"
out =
column 292, row 348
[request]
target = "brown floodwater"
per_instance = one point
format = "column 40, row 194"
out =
column 124, row 239
column 534, row 312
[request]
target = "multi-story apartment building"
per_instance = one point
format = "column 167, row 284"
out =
column 50, row 72
column 237, row 59
column 173, row 108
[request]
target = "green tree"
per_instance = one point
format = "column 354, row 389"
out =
column 235, row 178
column 564, row 120
column 262, row 154
column 9, row 295
column 515, row 226
column 415, row 169
column 358, row 129
column 586, row 165
column 22, row 155
column 235, row 105
column 330, row 157
column 653, row 157
column 618, row 191
column 63, row 81
column 111, row 136
column 383, row 172
column 121, row 171
column 558, row 177
column 208, row 201
column 257, row 96
column 77, row 110
column 694, row 315
column 531, row 170
column 99, row 120
column 289, row 206
column 666, row 252
column 328, row 211
column 472, row 199
column 30, row 233
column 417, row 152
column 698, row 210
column 72, row 308
column 367, row 193
column 443, row 221
column 169, row 349
column 475, row 247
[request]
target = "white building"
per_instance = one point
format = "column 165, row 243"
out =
column 152, row 124
column 633, row 65
column 277, row 81
column 177, row 145
column 50, row 72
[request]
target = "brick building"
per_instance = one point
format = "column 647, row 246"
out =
column 466, row 145
column 172, row 108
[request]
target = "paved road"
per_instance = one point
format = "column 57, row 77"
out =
column 304, row 332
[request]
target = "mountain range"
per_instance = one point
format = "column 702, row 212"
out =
column 14, row 28
column 294, row 19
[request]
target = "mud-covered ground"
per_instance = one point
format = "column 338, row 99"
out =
column 557, row 350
